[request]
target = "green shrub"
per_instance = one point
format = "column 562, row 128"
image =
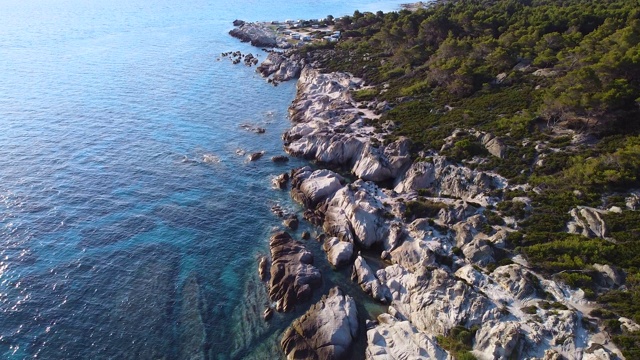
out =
column 365, row 94
column 421, row 209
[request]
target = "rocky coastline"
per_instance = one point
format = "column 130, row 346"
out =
column 445, row 270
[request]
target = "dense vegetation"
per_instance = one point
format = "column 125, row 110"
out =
column 557, row 80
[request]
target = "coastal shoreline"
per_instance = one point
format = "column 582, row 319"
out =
column 443, row 271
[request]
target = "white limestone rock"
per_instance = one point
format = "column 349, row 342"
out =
column 339, row 253
column 356, row 212
column 312, row 187
column 393, row 339
column 434, row 301
column 498, row 341
column 588, row 222
column 443, row 178
column 368, row 281
column 326, row 331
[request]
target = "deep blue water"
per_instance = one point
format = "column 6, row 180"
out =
column 117, row 239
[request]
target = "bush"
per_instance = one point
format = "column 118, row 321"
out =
column 421, row 209
column 365, row 94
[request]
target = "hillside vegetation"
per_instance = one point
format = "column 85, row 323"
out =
column 557, row 81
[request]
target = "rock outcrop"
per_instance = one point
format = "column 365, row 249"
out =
column 281, row 67
column 499, row 342
column 393, row 339
column 329, row 128
column 326, row 331
column 368, row 281
column 339, row 253
column 443, row 178
column 436, row 281
column 434, row 301
column 256, row 33
column 293, row 275
column 588, row 222
column 356, row 214
column 310, row 187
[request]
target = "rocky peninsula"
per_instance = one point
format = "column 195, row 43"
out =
column 447, row 274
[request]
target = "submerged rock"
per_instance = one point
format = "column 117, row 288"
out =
column 263, row 268
column 293, row 276
column 193, row 335
column 291, row 222
column 255, row 156
column 281, row 181
column 326, row 331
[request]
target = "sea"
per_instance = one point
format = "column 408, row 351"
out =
column 130, row 218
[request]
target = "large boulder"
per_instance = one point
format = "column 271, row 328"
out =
column 393, row 339
column 420, row 247
column 382, row 163
column 281, row 67
column 368, row 281
column 499, row 341
column 311, row 187
column 326, row 331
column 479, row 251
column 356, row 213
column 293, row 275
column 494, row 145
column 611, row 276
column 339, row 253
column 588, row 222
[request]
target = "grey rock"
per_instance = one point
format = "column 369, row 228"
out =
column 281, row 181
column 291, row 222
column 263, row 268
column 356, row 214
column 255, row 156
column 326, row 331
column 255, row 33
column 479, row 251
column 588, row 222
column 339, row 253
column 312, row 187
column 611, row 275
column 445, row 179
column 293, row 276
column 393, row 339
column 281, row 67
column 499, row 341
column 368, row 281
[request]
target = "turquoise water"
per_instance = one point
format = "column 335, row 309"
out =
column 117, row 239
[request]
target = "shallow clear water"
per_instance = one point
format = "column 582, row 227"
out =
column 117, row 239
